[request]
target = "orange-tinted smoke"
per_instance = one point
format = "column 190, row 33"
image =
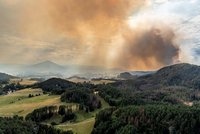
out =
column 148, row 48
column 100, row 18
column 94, row 23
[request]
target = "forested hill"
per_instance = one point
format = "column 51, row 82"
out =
column 17, row 125
column 5, row 77
column 186, row 75
column 148, row 119
column 179, row 74
column 55, row 84
column 59, row 86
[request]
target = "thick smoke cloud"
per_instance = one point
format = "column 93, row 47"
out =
column 149, row 48
column 91, row 19
column 92, row 26
column 92, row 23
column 101, row 18
column 97, row 21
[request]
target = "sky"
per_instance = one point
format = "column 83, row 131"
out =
column 125, row 34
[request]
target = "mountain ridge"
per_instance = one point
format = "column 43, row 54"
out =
column 46, row 63
column 183, row 74
column 5, row 77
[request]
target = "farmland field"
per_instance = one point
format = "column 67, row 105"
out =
column 18, row 103
column 84, row 122
column 83, row 127
column 23, row 81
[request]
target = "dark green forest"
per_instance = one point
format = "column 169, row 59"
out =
column 89, row 102
column 17, row 125
column 149, row 119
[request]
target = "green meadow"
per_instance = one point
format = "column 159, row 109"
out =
column 19, row 103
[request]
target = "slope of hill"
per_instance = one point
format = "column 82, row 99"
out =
column 46, row 69
column 183, row 74
column 176, row 84
column 5, row 77
column 55, row 84
column 135, row 74
column 179, row 74
column 46, row 66
column 126, row 75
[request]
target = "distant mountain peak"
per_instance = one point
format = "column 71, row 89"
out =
column 45, row 67
column 47, row 62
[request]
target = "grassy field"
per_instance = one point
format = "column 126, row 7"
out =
column 83, row 127
column 23, row 81
column 19, row 103
column 84, row 122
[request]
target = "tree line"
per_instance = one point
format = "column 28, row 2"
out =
column 87, row 101
column 17, row 125
column 156, row 119
column 44, row 113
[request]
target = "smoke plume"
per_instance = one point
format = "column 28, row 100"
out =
column 94, row 24
column 148, row 48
